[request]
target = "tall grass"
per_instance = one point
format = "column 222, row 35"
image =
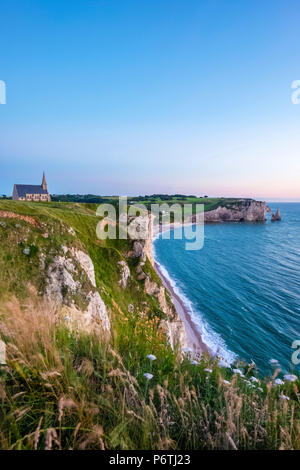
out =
column 63, row 388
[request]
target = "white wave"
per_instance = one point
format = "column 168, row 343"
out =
column 213, row 340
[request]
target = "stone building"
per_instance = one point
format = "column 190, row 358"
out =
column 31, row 192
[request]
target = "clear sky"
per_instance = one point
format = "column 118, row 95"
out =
column 143, row 96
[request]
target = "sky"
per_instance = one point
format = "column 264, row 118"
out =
column 163, row 96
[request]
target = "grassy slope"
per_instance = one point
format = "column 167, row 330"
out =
column 65, row 389
column 209, row 203
column 57, row 217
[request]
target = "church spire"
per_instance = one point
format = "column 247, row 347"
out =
column 44, row 184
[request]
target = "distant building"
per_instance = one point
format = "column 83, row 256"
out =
column 31, row 192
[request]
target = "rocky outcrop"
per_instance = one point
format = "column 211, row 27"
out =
column 125, row 274
column 71, row 283
column 175, row 332
column 60, row 280
column 140, row 273
column 86, row 264
column 96, row 312
column 138, row 250
column 143, row 248
column 172, row 325
column 276, row 217
column 241, row 210
column 148, row 242
column 244, row 210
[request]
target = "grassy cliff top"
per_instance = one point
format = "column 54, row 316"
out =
column 53, row 231
column 209, row 203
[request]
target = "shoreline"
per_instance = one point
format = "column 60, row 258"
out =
column 193, row 336
column 161, row 228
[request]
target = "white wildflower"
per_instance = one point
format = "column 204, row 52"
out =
column 290, row 377
column 284, row 397
column 195, row 363
column 208, row 370
column 239, row 372
column 254, row 379
column 278, row 382
column 226, row 382
column 148, row 376
column 151, row 357
column 223, row 363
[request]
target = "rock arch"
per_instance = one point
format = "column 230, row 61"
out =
column 274, row 217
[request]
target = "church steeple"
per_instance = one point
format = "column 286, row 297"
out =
column 44, row 184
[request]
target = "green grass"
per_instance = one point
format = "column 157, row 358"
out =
column 86, row 394
column 209, row 203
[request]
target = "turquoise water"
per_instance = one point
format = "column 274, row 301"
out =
column 243, row 288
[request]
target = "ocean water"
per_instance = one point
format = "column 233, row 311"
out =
column 243, row 288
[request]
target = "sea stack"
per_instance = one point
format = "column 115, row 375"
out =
column 276, row 217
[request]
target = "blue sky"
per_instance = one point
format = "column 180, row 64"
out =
column 134, row 97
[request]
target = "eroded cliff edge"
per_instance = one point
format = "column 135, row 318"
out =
column 244, row 210
column 52, row 254
column 171, row 324
column 241, row 210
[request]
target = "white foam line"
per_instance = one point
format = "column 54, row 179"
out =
column 213, row 340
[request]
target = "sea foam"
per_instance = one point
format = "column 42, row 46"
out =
column 211, row 339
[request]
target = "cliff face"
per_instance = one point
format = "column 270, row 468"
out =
column 143, row 248
column 70, row 283
column 244, row 210
column 172, row 325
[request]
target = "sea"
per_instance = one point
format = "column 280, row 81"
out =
column 242, row 289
